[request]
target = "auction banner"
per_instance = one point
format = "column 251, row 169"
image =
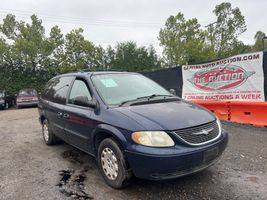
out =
column 238, row 78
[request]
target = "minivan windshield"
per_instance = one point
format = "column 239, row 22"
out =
column 118, row 88
column 27, row 92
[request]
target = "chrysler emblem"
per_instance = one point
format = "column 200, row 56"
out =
column 203, row 132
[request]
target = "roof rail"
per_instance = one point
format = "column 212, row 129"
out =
column 111, row 70
column 115, row 70
column 85, row 70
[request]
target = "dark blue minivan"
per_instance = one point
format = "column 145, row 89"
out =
column 131, row 125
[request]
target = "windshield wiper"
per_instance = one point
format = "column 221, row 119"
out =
column 132, row 100
column 155, row 95
column 146, row 98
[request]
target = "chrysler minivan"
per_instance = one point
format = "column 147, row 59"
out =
column 131, row 125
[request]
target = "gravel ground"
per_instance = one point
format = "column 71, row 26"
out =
column 31, row 170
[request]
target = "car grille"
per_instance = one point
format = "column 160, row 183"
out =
column 199, row 134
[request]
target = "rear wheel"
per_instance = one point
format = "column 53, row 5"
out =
column 112, row 164
column 48, row 136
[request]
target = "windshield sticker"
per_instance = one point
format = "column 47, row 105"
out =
column 109, row 83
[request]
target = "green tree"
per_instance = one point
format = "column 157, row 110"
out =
column 80, row 53
column 224, row 33
column 258, row 45
column 55, row 51
column 26, row 51
column 239, row 48
column 29, row 58
column 184, row 41
column 127, row 56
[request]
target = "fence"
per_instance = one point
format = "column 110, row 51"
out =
column 236, row 111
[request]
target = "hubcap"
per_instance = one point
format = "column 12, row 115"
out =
column 45, row 132
column 109, row 163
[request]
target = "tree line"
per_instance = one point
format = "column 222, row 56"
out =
column 29, row 56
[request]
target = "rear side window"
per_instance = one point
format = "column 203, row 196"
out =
column 57, row 89
column 47, row 94
column 79, row 89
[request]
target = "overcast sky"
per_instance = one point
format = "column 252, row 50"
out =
column 110, row 21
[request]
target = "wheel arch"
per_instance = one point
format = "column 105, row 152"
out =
column 104, row 131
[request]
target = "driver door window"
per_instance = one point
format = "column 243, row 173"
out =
column 79, row 90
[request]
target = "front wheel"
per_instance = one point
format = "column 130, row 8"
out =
column 112, row 164
column 48, row 136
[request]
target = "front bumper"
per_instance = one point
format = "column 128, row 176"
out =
column 182, row 162
column 27, row 103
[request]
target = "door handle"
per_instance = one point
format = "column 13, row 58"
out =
column 59, row 114
column 66, row 116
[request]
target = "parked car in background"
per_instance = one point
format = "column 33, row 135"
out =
column 131, row 125
column 27, row 98
column 6, row 99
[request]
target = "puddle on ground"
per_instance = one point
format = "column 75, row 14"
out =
column 71, row 184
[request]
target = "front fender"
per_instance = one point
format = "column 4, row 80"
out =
column 110, row 130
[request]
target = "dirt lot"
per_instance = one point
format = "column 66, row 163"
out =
column 31, row 170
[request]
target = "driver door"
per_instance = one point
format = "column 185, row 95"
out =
column 78, row 122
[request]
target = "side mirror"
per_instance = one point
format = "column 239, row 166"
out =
column 172, row 91
column 83, row 101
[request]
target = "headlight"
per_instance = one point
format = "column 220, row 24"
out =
column 152, row 138
column 19, row 100
column 219, row 125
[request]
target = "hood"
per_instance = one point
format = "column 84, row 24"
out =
column 168, row 115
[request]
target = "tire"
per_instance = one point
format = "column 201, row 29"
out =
column 48, row 136
column 119, row 175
